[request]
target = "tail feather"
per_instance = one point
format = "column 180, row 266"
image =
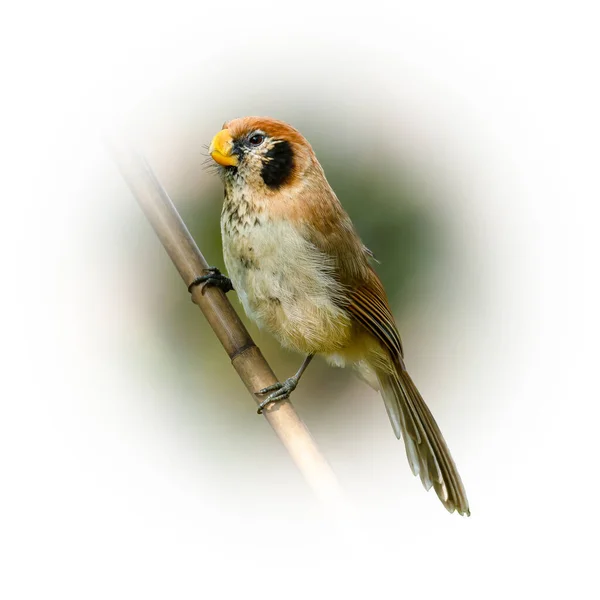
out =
column 426, row 449
column 454, row 487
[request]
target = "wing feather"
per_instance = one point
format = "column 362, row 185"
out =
column 367, row 304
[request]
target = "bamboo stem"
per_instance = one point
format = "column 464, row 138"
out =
column 245, row 356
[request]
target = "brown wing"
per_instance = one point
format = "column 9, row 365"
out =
column 369, row 306
column 331, row 231
column 366, row 301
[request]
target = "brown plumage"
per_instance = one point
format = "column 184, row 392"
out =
column 302, row 272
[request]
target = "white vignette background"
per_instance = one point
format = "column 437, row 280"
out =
column 104, row 494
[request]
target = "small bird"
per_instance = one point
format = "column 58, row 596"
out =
column 302, row 273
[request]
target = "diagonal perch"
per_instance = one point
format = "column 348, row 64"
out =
column 245, row 356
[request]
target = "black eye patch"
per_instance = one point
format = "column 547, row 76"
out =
column 278, row 164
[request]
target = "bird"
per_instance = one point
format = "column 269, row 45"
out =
column 302, row 273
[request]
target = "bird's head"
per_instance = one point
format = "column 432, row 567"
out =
column 262, row 153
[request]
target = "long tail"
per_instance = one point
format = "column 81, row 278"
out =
column 426, row 449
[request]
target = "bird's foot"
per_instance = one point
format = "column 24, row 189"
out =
column 281, row 391
column 213, row 277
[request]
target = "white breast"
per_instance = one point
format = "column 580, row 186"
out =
column 285, row 284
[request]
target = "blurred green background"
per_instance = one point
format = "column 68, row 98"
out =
column 395, row 215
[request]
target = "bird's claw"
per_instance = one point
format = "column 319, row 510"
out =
column 213, row 277
column 281, row 391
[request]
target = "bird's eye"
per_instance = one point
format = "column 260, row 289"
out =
column 257, row 139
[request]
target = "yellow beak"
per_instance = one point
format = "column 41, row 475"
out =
column 221, row 149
